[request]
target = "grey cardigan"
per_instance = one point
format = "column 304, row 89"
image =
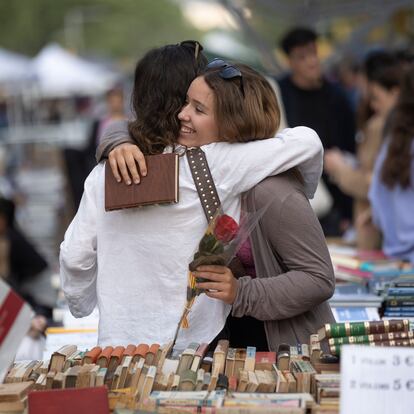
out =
column 294, row 270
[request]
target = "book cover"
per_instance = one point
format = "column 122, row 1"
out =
column 159, row 186
column 69, row 401
column 336, row 330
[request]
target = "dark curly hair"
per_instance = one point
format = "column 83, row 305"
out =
column 162, row 78
column 397, row 164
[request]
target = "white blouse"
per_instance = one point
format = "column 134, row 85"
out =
column 133, row 263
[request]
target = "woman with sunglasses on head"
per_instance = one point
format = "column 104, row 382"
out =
column 147, row 251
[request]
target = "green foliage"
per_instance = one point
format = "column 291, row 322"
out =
column 119, row 28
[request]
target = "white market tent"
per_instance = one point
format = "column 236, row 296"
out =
column 15, row 72
column 60, row 74
column 13, row 67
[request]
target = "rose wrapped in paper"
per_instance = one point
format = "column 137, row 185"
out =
column 212, row 249
column 218, row 246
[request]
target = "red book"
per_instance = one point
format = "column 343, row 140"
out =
column 354, row 272
column 69, row 401
column 265, row 360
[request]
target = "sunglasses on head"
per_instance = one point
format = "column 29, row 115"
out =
column 227, row 71
column 192, row 44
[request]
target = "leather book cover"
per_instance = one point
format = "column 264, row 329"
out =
column 159, row 186
column 68, row 401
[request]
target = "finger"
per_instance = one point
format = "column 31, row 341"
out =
column 215, row 277
column 217, row 295
column 212, row 268
column 123, row 169
column 114, row 168
column 211, row 285
column 140, row 159
column 132, row 167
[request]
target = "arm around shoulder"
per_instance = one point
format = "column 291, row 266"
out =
column 114, row 134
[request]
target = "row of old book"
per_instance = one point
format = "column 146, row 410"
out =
column 371, row 269
column 393, row 332
column 239, row 369
column 131, row 373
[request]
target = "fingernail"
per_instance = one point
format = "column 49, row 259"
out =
column 128, row 182
column 144, row 173
column 136, row 181
column 118, row 180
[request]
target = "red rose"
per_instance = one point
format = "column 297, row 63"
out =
column 226, row 229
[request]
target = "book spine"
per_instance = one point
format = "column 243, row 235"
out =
column 365, row 339
column 409, row 301
column 406, row 291
column 399, row 314
column 336, row 349
column 337, row 330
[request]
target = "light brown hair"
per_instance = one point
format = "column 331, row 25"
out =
column 241, row 118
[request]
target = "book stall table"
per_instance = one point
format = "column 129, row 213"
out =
column 154, row 378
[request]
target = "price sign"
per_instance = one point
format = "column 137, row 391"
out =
column 377, row 380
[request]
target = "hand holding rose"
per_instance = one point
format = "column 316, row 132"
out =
column 221, row 282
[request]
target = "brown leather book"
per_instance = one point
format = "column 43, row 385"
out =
column 159, row 186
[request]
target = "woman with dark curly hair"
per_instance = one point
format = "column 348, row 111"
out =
column 392, row 189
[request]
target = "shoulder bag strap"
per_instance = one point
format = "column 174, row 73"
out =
column 204, row 182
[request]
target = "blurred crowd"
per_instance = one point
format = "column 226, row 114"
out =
column 363, row 111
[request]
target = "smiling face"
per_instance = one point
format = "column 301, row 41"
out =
column 197, row 117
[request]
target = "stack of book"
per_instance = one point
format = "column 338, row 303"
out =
column 357, row 271
column 399, row 301
column 375, row 333
column 327, row 391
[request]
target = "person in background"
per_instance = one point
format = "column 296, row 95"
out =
column 25, row 270
column 310, row 99
column 80, row 162
column 348, row 74
column 353, row 176
column 392, row 189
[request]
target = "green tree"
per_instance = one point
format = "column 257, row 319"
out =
column 119, row 28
